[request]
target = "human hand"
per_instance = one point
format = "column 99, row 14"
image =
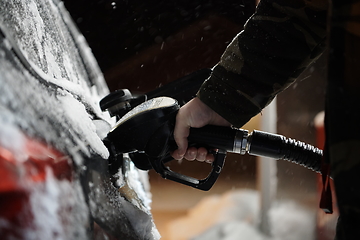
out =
column 194, row 114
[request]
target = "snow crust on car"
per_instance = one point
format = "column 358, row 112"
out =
column 50, row 87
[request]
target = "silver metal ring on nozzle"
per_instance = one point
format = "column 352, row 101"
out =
column 240, row 142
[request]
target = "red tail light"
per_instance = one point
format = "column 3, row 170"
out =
column 21, row 173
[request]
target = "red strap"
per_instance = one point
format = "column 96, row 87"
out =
column 326, row 196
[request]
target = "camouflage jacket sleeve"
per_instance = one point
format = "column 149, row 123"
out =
column 278, row 42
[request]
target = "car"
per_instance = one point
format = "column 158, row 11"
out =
column 55, row 182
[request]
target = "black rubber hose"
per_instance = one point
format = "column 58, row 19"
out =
column 279, row 147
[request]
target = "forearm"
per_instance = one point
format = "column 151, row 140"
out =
column 278, row 42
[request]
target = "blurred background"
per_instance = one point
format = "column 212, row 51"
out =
column 141, row 45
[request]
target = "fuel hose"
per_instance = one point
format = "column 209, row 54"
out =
column 257, row 143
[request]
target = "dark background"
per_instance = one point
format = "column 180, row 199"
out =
column 141, row 44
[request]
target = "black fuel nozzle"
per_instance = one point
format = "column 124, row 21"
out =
column 120, row 102
column 146, row 133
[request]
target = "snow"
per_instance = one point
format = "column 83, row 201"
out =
column 82, row 122
column 49, row 201
column 50, row 87
column 50, row 204
column 108, row 211
column 159, row 102
column 59, row 65
column 136, row 182
column 10, row 136
column 235, row 215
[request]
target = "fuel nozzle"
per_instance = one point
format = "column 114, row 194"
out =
column 120, row 102
column 146, row 133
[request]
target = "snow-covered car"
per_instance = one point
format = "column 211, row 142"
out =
column 55, row 182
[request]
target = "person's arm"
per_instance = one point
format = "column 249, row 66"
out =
column 278, row 42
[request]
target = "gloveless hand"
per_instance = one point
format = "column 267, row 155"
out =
column 194, row 114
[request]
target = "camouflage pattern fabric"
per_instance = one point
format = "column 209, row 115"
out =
column 278, row 42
